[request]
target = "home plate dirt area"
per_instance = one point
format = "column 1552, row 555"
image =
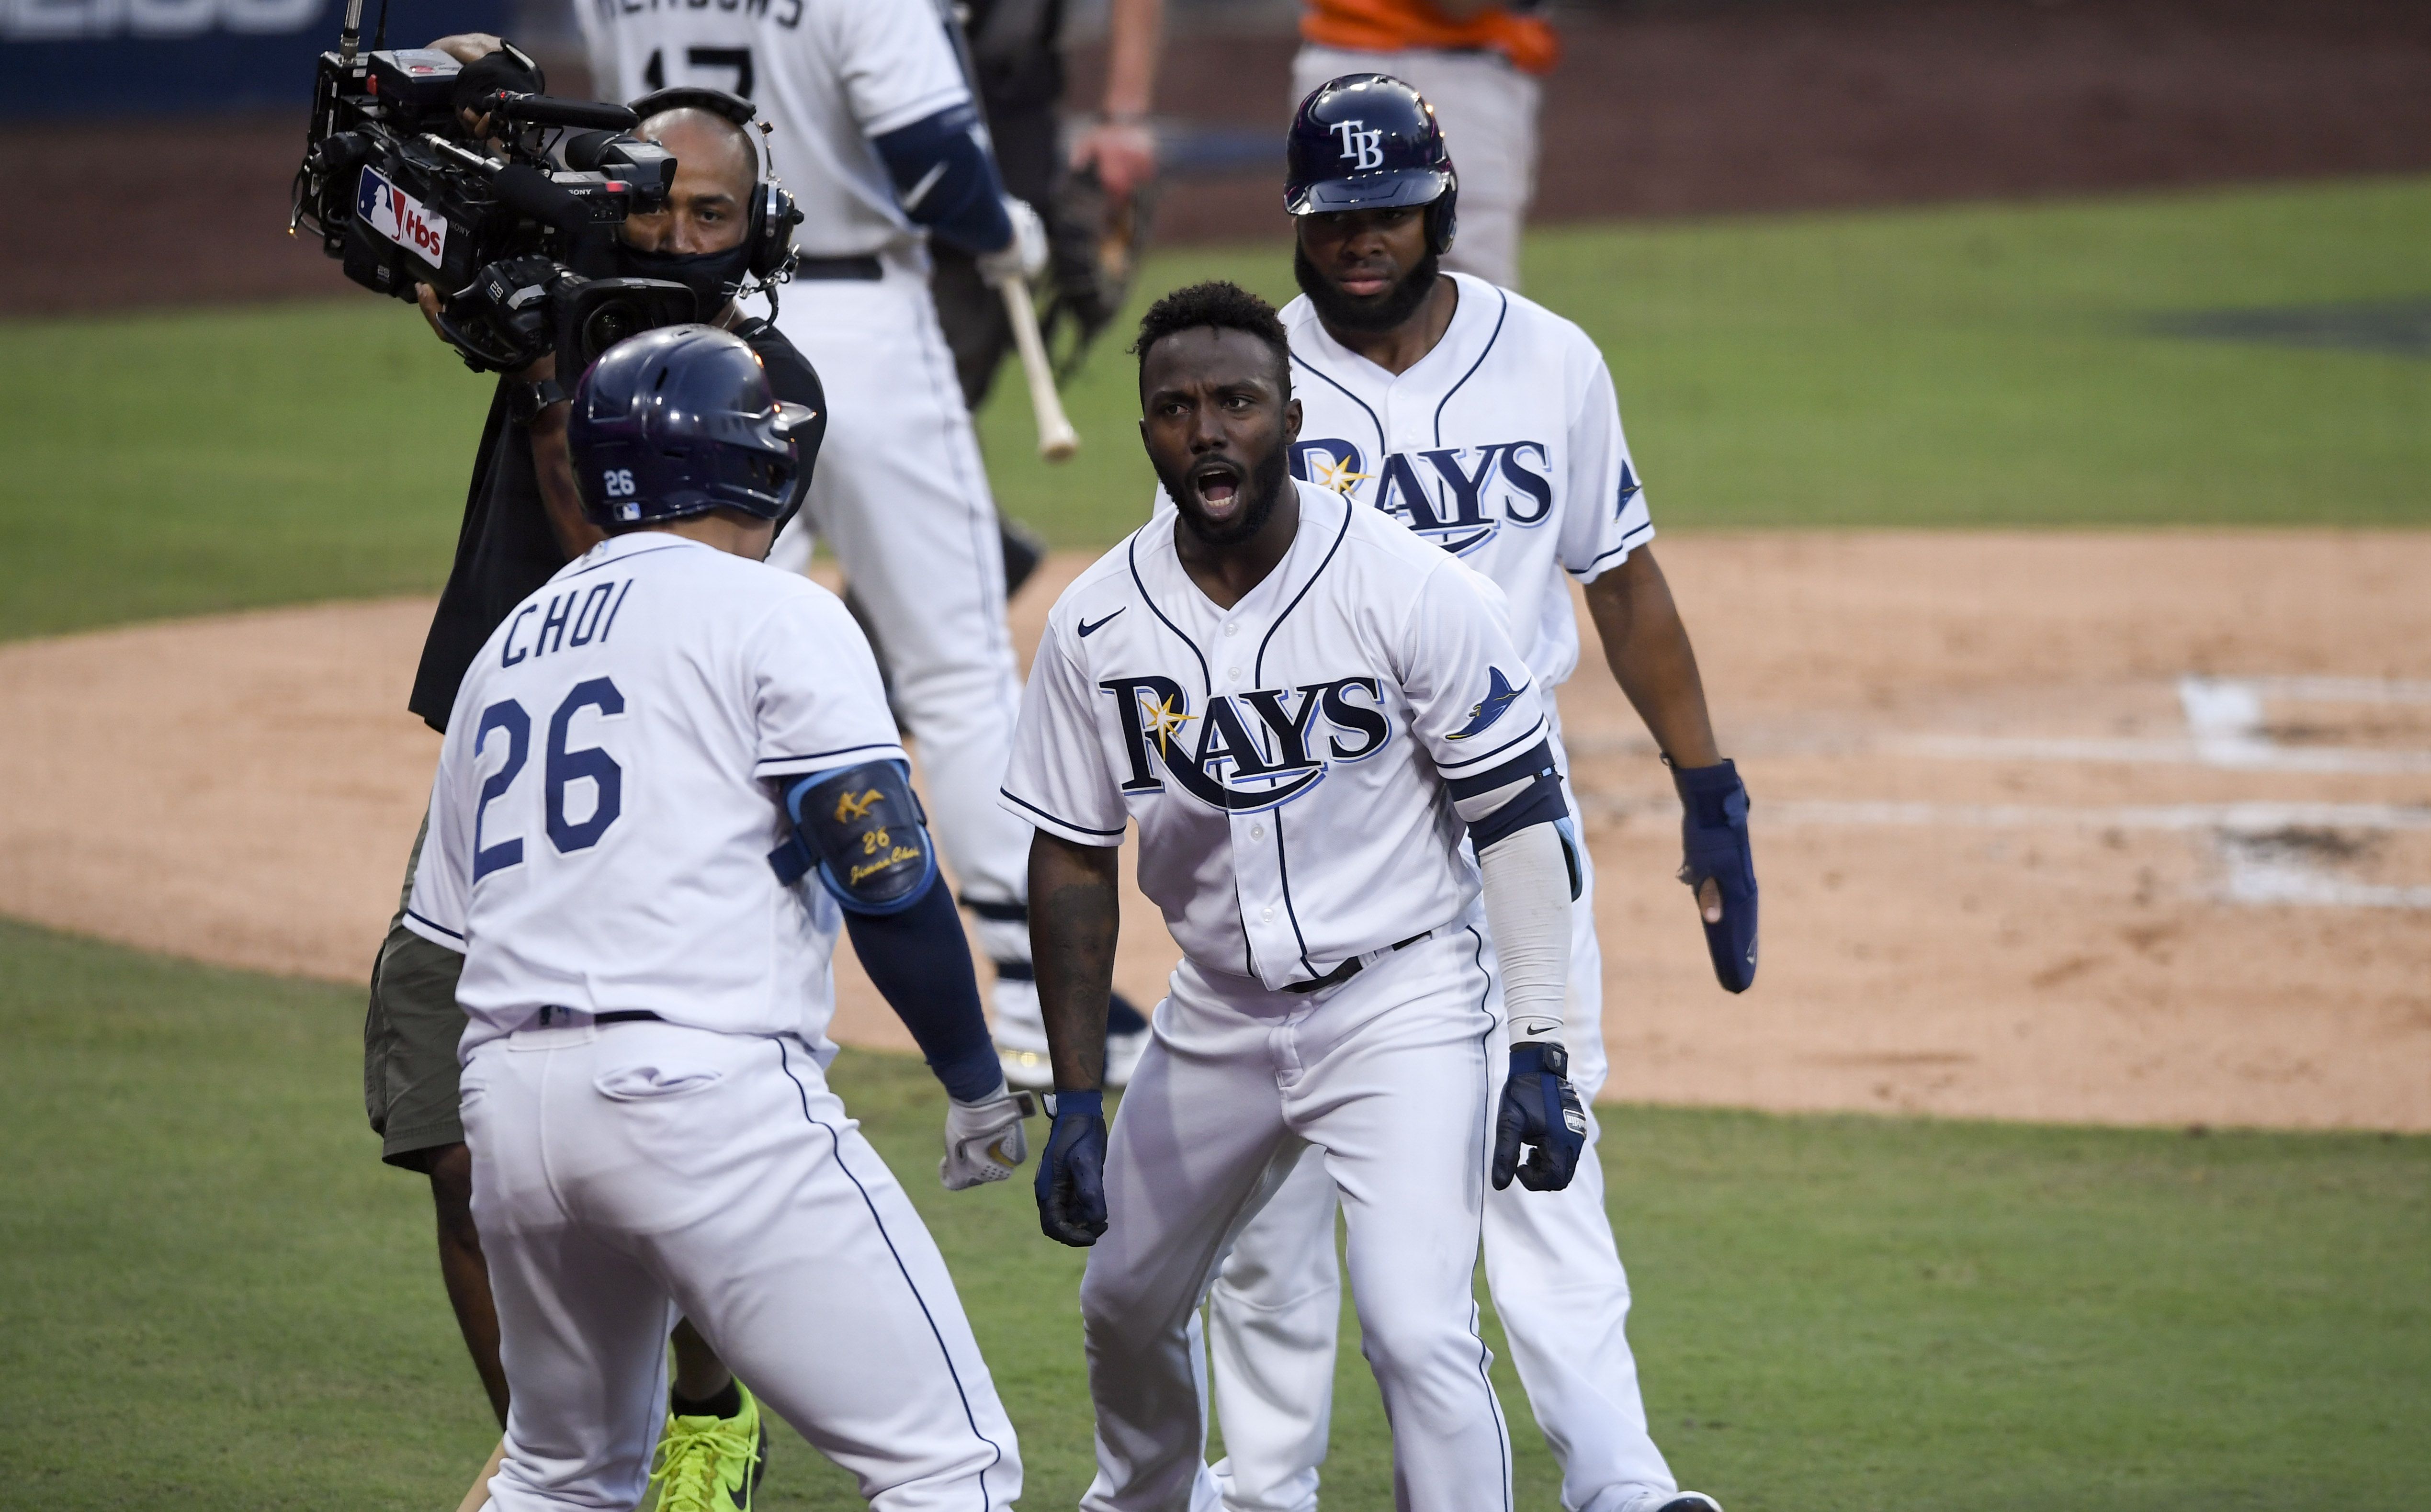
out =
column 2120, row 828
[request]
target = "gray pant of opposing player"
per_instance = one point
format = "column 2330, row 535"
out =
column 626, row 1173
column 1488, row 111
column 1382, row 1084
column 900, row 493
column 1557, row 1283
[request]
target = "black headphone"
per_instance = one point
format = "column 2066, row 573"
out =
column 774, row 213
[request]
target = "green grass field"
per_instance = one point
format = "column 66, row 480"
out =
column 218, row 1298
column 1949, row 366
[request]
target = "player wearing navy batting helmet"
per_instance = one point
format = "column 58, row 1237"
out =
column 1485, row 425
column 670, row 781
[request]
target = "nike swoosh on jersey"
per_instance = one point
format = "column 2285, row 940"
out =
column 1088, row 630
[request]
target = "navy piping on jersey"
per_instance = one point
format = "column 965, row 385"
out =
column 1447, row 768
column 1056, row 819
column 1282, row 869
column 1500, row 316
column 1485, row 1106
column 823, row 755
column 434, row 924
column 1258, row 668
column 1130, row 559
column 1629, row 543
column 1258, row 674
column 786, row 1062
column 620, row 561
column 1353, row 398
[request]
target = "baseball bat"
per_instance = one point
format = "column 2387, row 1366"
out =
column 1057, row 440
column 479, row 1496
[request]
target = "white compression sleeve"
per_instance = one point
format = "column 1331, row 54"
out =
column 1528, row 908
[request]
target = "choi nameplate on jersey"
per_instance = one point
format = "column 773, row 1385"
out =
column 401, row 218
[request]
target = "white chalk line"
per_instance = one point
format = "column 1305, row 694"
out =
column 2234, row 818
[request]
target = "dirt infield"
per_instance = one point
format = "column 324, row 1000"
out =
column 2120, row 828
column 1659, row 108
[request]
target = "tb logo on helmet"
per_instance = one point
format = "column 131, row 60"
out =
column 1363, row 148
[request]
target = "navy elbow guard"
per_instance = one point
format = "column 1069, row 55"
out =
column 1714, row 843
column 1525, row 790
column 862, row 831
column 946, row 180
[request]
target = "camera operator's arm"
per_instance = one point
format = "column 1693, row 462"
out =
column 554, row 465
column 551, row 462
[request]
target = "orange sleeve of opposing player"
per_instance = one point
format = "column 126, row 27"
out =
column 1391, row 25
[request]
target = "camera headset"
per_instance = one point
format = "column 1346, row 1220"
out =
column 773, row 214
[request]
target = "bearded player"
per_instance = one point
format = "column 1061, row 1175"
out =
column 1488, row 425
column 1305, row 708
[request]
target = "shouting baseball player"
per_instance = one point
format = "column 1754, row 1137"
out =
column 1304, row 708
column 877, row 136
column 643, row 765
column 1488, row 425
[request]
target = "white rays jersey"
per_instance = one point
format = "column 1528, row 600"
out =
column 1288, row 760
column 827, row 75
column 603, row 812
column 1502, row 445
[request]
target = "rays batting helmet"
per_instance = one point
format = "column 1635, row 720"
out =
column 681, row 421
column 1370, row 141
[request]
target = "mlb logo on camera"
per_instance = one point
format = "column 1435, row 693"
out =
column 401, row 218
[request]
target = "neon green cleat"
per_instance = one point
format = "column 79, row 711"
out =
column 711, row 1463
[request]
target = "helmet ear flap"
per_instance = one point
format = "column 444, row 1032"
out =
column 1443, row 221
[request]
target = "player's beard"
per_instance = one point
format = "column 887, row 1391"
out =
column 1264, row 488
column 1376, row 312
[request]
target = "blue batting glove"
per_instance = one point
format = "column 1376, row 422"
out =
column 1540, row 1111
column 1071, row 1183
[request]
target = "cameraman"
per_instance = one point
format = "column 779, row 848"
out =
column 523, row 522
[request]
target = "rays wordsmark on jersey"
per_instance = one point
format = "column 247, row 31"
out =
column 1499, row 693
column 1457, row 497
column 1257, row 749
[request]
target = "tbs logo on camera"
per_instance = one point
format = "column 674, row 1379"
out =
column 401, row 218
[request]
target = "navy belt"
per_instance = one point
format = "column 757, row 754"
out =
column 622, row 1016
column 863, row 269
column 1352, row 968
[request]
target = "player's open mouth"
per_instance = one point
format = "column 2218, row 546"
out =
column 1216, row 482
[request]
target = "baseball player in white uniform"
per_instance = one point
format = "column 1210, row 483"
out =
column 877, row 136
column 644, row 763
column 1488, row 425
column 1304, row 708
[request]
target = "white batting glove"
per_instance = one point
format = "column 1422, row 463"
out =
column 984, row 1140
column 1024, row 256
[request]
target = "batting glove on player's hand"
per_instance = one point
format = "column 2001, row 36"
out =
column 1540, row 1111
column 1072, row 1171
column 1713, row 841
column 1024, row 256
column 984, row 1140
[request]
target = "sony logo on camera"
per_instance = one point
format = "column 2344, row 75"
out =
column 63, row 20
column 401, row 218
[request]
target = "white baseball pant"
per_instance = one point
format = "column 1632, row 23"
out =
column 627, row 1174
column 1551, row 1264
column 900, row 493
column 1488, row 111
column 1384, row 1083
